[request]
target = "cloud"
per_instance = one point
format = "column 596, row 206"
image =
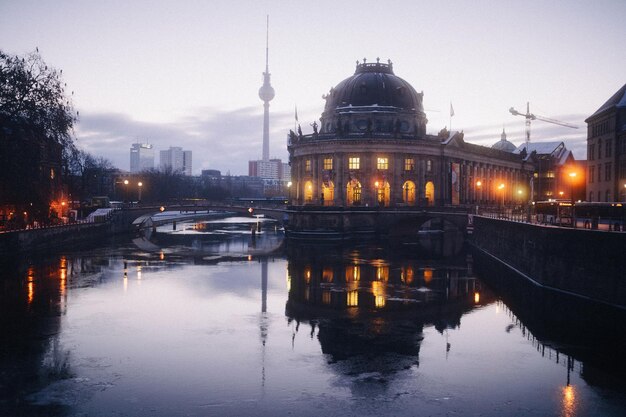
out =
column 223, row 140
column 227, row 139
column 574, row 139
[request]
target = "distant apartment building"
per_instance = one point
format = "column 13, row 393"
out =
column 177, row 159
column 273, row 169
column 141, row 157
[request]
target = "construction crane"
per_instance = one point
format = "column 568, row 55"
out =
column 529, row 116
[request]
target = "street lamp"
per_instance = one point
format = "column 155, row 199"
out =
column 479, row 193
column 572, row 177
column 289, row 184
column 139, row 185
column 501, row 188
column 125, row 189
column 377, row 184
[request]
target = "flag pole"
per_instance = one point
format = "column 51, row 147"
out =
column 451, row 114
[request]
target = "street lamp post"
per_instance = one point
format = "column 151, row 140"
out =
column 572, row 176
column 139, row 185
column 501, row 188
column 289, row 184
column 126, row 190
column 479, row 186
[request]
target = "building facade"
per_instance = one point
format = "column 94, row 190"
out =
column 176, row 159
column 606, row 150
column 141, row 157
column 372, row 149
column 557, row 176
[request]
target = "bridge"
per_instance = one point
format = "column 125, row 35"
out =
column 316, row 222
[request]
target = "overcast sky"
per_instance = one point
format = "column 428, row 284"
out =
column 187, row 73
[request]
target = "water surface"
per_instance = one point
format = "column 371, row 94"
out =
column 213, row 321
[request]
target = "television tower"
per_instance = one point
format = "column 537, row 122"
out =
column 266, row 93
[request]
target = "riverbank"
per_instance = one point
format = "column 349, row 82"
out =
column 583, row 263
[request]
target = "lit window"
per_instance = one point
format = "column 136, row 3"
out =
column 409, row 164
column 328, row 163
column 51, row 173
column 354, row 163
column 383, row 163
column 307, row 165
column 429, row 165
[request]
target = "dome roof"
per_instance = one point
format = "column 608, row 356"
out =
column 503, row 144
column 374, row 84
column 374, row 101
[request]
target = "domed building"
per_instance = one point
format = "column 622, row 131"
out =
column 371, row 149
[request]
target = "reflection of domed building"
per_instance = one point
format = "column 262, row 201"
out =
column 372, row 149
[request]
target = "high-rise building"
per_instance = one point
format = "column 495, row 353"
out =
column 177, row 159
column 141, row 157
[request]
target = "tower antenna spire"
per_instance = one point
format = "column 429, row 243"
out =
column 266, row 93
column 267, row 44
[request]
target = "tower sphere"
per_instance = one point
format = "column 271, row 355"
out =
column 266, row 92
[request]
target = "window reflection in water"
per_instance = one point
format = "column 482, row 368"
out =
column 353, row 273
column 30, row 284
column 428, row 275
column 328, row 274
column 352, row 298
column 406, row 274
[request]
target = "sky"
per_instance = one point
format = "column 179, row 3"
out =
column 187, row 73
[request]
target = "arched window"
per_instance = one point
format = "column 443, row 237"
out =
column 408, row 193
column 429, row 193
column 328, row 193
column 308, row 192
column 353, row 193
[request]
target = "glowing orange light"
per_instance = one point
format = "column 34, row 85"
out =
column 476, row 297
column 428, row 275
column 479, row 184
column 569, row 401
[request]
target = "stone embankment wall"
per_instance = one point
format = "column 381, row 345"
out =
column 49, row 238
column 588, row 263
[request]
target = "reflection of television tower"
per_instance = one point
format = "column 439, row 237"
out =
column 266, row 93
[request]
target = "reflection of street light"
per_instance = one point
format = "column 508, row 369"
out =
column 139, row 184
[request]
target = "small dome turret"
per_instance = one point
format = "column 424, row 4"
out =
column 503, row 144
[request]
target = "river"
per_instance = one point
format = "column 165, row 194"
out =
column 211, row 320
